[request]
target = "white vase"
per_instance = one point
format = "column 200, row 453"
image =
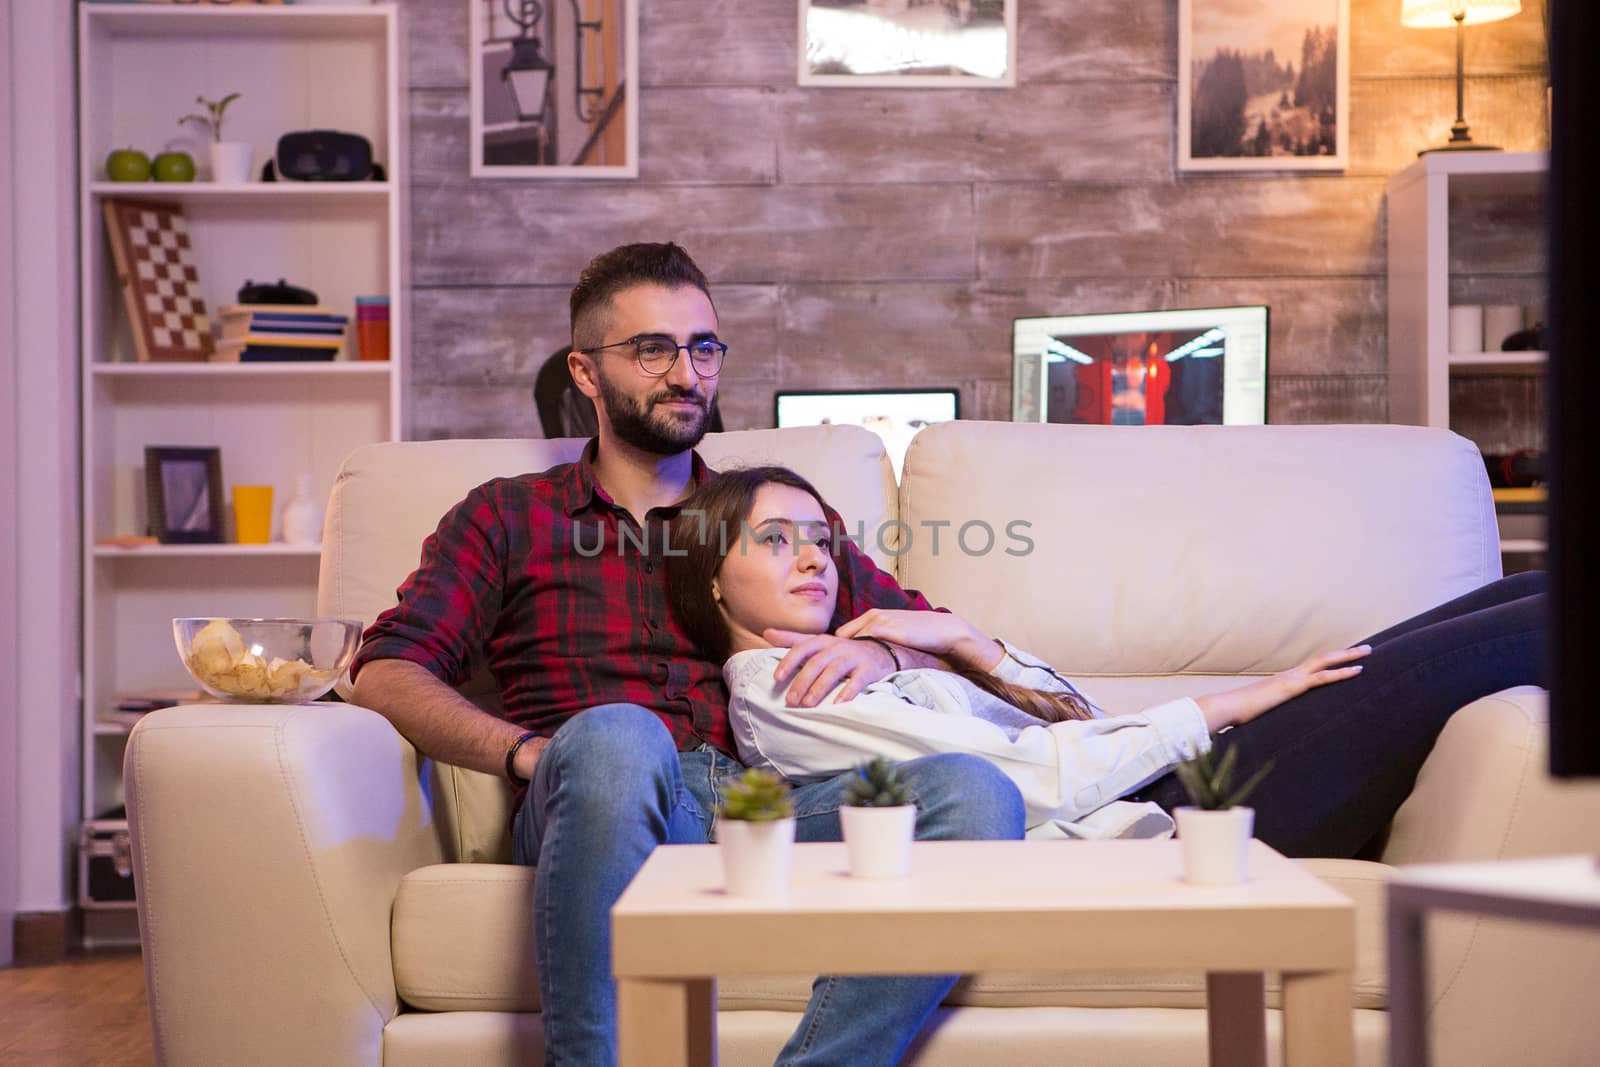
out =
column 878, row 840
column 230, row 162
column 1216, row 844
column 302, row 515
column 756, row 856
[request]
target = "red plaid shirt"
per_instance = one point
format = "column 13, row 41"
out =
column 562, row 595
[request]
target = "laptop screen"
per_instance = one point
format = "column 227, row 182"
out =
column 893, row 414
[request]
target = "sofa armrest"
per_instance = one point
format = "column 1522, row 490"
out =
column 268, row 844
column 1502, row 991
column 1485, row 792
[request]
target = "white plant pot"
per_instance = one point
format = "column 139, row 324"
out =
column 878, row 840
column 230, row 162
column 756, row 856
column 1215, row 844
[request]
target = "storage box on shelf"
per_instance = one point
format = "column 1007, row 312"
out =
column 141, row 68
column 1467, row 228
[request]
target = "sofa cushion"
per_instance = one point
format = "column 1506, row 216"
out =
column 1164, row 550
column 463, row 941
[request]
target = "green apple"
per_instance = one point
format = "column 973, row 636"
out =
column 174, row 167
column 128, row 165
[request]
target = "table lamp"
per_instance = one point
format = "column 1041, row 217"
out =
column 1437, row 14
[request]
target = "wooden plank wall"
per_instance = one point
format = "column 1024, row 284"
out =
column 888, row 237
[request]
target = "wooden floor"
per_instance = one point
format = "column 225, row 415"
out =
column 89, row 1011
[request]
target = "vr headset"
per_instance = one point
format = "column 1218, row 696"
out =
column 322, row 156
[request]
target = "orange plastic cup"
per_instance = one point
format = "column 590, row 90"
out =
column 252, row 514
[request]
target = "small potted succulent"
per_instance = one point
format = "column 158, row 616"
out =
column 755, row 834
column 230, row 160
column 878, row 820
column 1215, row 832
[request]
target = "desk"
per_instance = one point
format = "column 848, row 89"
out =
column 989, row 905
column 1563, row 889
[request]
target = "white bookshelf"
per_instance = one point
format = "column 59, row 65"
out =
column 1420, row 201
column 140, row 68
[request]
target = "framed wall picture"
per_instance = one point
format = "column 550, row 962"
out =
column 962, row 44
column 553, row 88
column 1263, row 84
column 183, row 487
column 1186, row 367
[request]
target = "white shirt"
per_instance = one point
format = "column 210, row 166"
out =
column 1070, row 773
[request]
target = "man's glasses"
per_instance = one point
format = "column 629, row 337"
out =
column 657, row 353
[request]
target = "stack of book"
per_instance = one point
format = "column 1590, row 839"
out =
column 275, row 333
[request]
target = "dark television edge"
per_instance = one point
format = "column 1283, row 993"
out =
column 1266, row 344
column 781, row 393
column 1574, row 230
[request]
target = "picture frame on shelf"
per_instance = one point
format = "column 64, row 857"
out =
column 552, row 88
column 1263, row 85
column 904, row 44
column 183, row 489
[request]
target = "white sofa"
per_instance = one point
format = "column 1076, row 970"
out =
column 310, row 892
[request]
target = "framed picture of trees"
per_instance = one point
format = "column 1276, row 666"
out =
column 1263, row 84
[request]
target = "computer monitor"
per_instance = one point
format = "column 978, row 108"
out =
column 896, row 415
column 1189, row 367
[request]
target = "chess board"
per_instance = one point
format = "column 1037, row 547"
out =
column 160, row 286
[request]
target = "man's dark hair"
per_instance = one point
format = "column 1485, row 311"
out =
column 624, row 267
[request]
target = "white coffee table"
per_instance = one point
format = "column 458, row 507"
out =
column 1555, row 889
column 989, row 906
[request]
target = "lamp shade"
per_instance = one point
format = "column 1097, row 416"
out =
column 1440, row 14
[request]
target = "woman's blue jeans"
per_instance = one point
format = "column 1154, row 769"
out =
column 1345, row 756
column 611, row 786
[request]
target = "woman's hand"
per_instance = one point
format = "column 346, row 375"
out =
column 1236, row 706
column 938, row 633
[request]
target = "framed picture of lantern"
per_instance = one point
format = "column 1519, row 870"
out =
column 553, row 88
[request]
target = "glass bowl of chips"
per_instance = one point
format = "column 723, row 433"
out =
column 266, row 661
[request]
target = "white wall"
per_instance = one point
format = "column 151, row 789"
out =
column 9, row 810
column 41, row 195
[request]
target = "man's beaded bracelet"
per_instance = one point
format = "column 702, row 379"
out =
column 511, row 758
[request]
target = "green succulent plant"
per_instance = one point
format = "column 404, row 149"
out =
column 1207, row 779
column 212, row 119
column 876, row 784
column 756, row 796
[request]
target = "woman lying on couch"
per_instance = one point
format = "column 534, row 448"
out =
column 751, row 557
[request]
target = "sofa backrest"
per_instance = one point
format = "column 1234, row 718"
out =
column 1155, row 561
column 389, row 497
column 1158, row 553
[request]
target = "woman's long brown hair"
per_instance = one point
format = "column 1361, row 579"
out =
column 710, row 521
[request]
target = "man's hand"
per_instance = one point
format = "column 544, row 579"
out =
column 527, row 757
column 816, row 663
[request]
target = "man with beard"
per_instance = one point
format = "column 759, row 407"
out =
column 614, row 730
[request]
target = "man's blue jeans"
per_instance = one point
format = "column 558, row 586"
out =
column 611, row 786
